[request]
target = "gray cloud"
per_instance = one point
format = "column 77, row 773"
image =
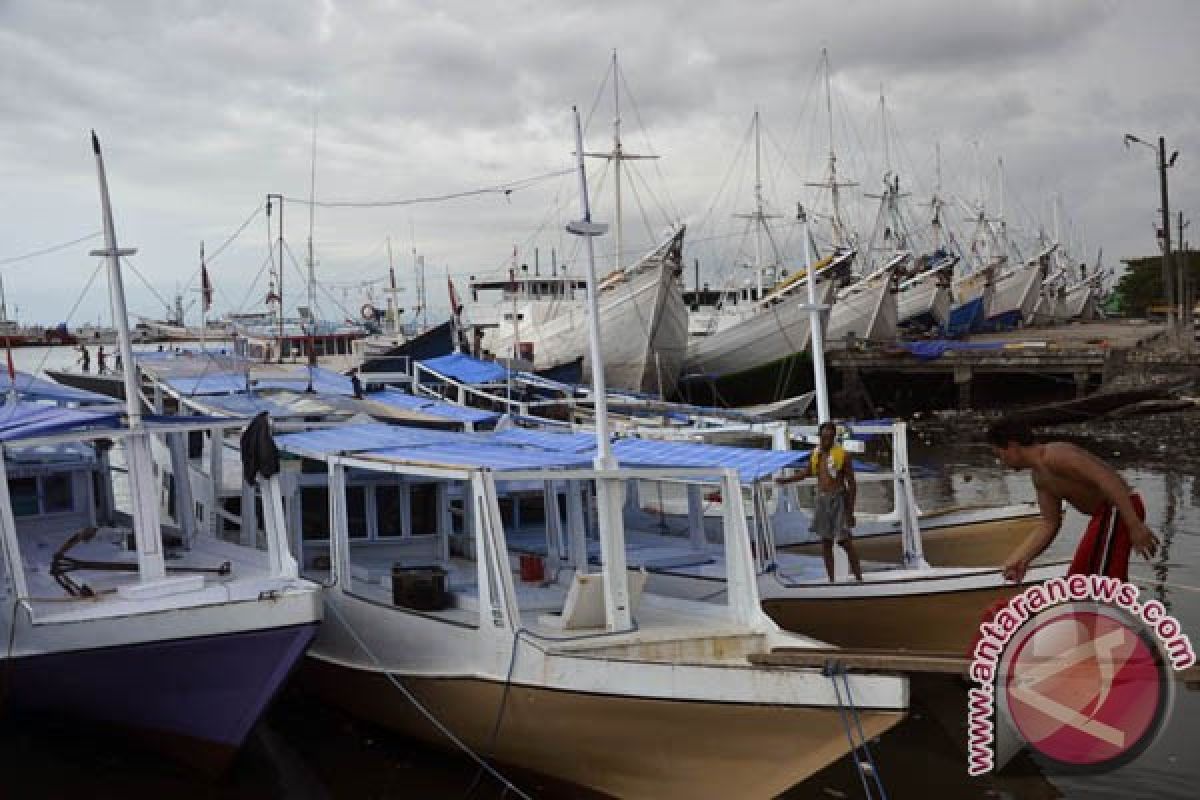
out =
column 207, row 106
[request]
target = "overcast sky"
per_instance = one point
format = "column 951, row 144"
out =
column 205, row 107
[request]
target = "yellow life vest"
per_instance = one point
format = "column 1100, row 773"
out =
column 837, row 457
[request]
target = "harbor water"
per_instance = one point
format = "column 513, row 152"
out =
column 303, row 749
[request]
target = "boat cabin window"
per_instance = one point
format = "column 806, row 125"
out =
column 45, row 494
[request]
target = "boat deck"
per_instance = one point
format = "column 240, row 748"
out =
column 247, row 578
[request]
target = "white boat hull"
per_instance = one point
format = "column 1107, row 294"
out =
column 1015, row 295
column 643, row 329
column 761, row 337
column 927, row 297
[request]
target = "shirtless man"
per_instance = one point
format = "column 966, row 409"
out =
column 833, row 515
column 1063, row 471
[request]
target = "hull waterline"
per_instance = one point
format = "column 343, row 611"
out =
column 619, row 746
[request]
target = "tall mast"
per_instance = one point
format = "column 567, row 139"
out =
column 3, row 305
column 839, row 229
column 312, row 264
column 617, row 155
column 617, row 612
column 816, row 333
column 1000, row 218
column 391, row 304
column 146, row 520
column 759, row 216
column 887, row 153
column 758, row 206
column 937, row 196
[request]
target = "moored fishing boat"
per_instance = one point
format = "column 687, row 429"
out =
column 178, row 629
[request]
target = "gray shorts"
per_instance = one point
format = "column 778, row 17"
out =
column 829, row 517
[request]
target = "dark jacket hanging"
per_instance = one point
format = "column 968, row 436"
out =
column 260, row 456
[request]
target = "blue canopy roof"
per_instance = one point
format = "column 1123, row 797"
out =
column 428, row 405
column 208, row 383
column 31, row 420
column 324, row 381
column 28, row 420
column 30, row 387
column 518, row 449
column 465, row 369
column 493, row 456
column 549, row 440
column 360, row 438
column 752, row 464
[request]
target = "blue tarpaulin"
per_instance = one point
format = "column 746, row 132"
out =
column 752, row 464
column 520, row 449
column 359, row 438
column 465, row 369
column 27, row 420
column 323, row 381
column 927, row 351
column 30, row 387
column 432, row 407
column 30, row 420
column 478, row 455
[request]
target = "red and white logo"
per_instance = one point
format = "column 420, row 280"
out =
column 1085, row 687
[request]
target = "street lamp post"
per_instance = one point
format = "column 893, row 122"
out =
column 1174, row 320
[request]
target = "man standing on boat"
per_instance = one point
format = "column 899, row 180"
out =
column 833, row 512
column 1062, row 471
column 85, row 359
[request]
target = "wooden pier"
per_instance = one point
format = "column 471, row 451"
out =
column 1087, row 354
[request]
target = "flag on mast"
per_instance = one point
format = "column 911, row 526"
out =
column 205, row 284
column 455, row 304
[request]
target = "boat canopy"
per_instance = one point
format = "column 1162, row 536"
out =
column 30, row 387
column 324, row 381
column 522, row 449
column 31, row 420
column 465, row 369
column 427, row 405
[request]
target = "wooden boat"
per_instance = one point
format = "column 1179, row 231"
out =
column 176, row 628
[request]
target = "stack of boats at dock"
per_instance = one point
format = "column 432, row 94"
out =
column 599, row 654
column 496, row 572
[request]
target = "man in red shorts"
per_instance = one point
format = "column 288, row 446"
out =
column 1063, row 471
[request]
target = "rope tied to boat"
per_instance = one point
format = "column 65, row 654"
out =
column 425, row 712
column 848, row 712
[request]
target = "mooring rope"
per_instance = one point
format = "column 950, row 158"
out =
column 848, row 712
column 425, row 712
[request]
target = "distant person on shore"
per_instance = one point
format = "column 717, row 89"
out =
column 85, row 359
column 101, row 361
column 833, row 514
column 1062, row 471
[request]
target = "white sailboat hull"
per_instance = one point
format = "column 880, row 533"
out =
column 1016, row 294
column 761, row 336
column 867, row 310
column 927, row 297
column 643, row 329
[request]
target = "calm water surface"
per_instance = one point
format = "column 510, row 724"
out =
column 305, row 750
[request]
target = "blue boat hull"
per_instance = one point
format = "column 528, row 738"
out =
column 195, row 698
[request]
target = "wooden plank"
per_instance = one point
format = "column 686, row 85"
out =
column 907, row 661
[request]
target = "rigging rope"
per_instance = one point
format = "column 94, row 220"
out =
column 503, row 189
column 45, row 251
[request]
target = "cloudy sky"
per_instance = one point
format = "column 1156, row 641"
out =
column 205, row 107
